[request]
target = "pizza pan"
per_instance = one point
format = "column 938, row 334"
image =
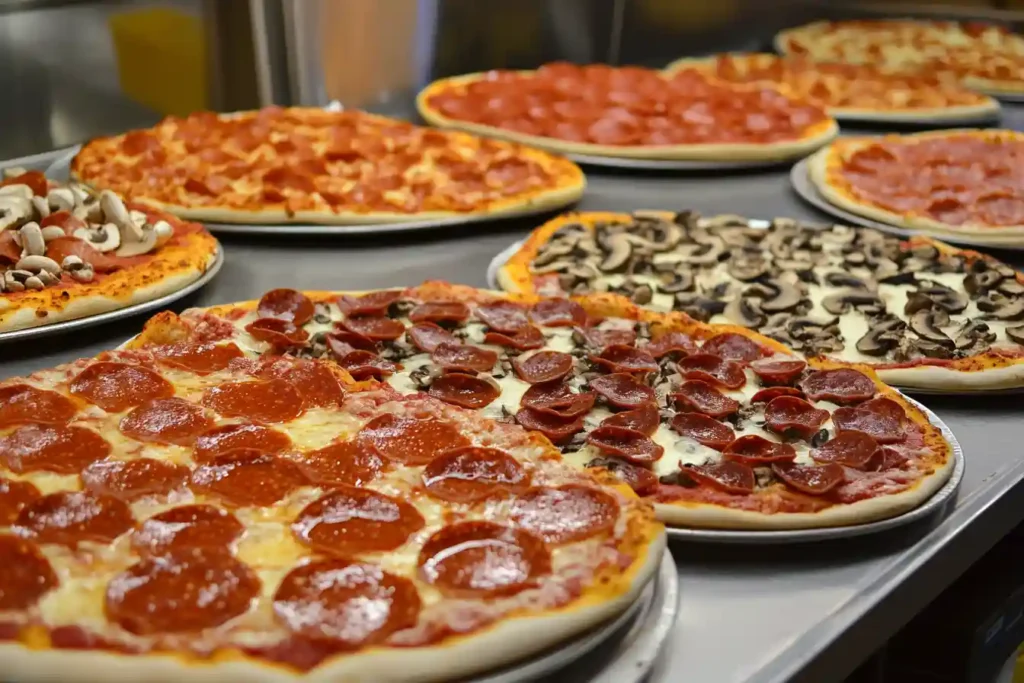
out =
column 940, row 502
column 120, row 313
column 805, row 189
column 498, row 261
column 675, row 164
column 1016, row 98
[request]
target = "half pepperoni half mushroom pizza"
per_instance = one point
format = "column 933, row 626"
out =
column 718, row 426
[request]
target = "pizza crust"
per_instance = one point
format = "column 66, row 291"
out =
column 939, row 378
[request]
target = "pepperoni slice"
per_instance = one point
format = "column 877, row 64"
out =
column 483, row 559
column 814, row 480
column 342, row 342
column 886, row 458
column 181, row 592
column 465, row 391
column 319, row 386
column 623, row 390
column 789, row 415
column 543, row 366
column 601, row 339
column 766, row 395
column 503, row 316
column 166, row 420
column 733, row 346
column 344, row 463
column 671, row 343
column 640, row 479
column 556, row 398
column 366, row 364
column 188, row 526
column 21, row 403
column 410, row 441
column 440, row 311
column 626, row 443
column 463, row 357
column 644, row 419
column 60, row 248
column 25, row 573
column 119, row 386
column 270, row 400
column 555, row 427
column 885, row 406
column 70, row 517
column 713, row 369
column 64, row 449
column 566, row 514
column 247, row 477
column 621, row 358
column 15, row 495
column 348, row 521
column 286, row 304
column 756, row 450
column 703, row 429
column 36, row 180
column 844, row 385
column 525, row 339
column 852, row 449
column 199, row 358
column 778, row 371
column 427, row 336
column 728, row 476
column 558, row 313
column 374, row 303
column 347, row 604
column 279, row 333
column 699, row 396
column 883, row 428
column 376, row 328
column 472, row 473
column 133, row 479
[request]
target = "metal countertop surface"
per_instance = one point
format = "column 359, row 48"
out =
column 809, row 612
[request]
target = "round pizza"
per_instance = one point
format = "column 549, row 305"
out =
column 306, row 165
column 850, row 91
column 923, row 314
column 957, row 183
column 629, row 112
column 717, row 425
column 67, row 252
column 186, row 508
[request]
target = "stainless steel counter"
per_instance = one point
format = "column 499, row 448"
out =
column 806, row 613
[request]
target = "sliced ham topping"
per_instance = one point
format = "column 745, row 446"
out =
column 756, row 450
column 703, row 429
column 374, row 303
column 556, row 398
column 556, row 428
column 852, row 449
column 625, row 443
column 503, row 316
column 671, row 343
column 377, row 328
column 766, row 395
column 644, row 419
column 463, row 357
column 623, row 390
column 543, row 366
column 844, row 385
column 884, row 428
column 713, row 369
column 789, row 415
column 814, row 480
column 731, row 477
column 640, row 479
column 466, row 391
column 527, row 338
column 427, row 336
column 698, row 396
column 734, row 346
column 558, row 313
column 621, row 358
column 778, row 371
column 440, row 311
column 599, row 339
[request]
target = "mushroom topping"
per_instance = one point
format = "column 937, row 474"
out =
column 117, row 213
column 745, row 271
column 974, row 336
column 843, row 279
column 620, row 251
column 931, row 294
column 1011, row 309
column 14, row 208
column 709, row 253
column 980, row 282
column 36, row 264
column 553, row 251
column 698, row 306
column 744, row 311
column 905, row 277
column 806, row 328
column 639, row 292
column 1011, row 287
column 675, row 282
column 41, row 208
column 665, row 235
column 146, row 244
column 842, row 301
column 882, row 337
column 926, row 324
column 787, row 295
column 18, row 190
column 31, row 239
column 724, row 220
column 928, row 348
column 1016, row 333
column 102, row 238
column 61, row 199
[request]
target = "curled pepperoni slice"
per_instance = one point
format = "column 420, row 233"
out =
column 347, row 604
column 566, row 514
column 440, row 311
column 600, row 339
column 131, row 480
column 181, row 592
column 279, row 333
column 472, row 473
column 733, row 346
column 373, row 303
column 346, row 463
column 620, row 358
column 625, row 443
column 410, row 441
column 556, row 398
column 675, row 343
column 503, row 316
column 15, row 495
column 525, row 339
column 119, row 386
column 286, row 304
column 882, row 427
column 366, row 364
column 199, row 358
column 483, row 559
column 247, row 477
column 271, row 400
column 463, row 390
column 543, row 366
column 644, row 419
column 731, row 477
column 427, row 336
column 555, row 427
column 699, row 396
column 166, row 420
column 814, row 480
column 623, row 390
column 558, row 313
column 844, row 385
column 319, row 386
column 188, row 526
column 70, row 517
column 343, row 342
column 886, row 458
column 713, row 369
column 240, row 436
column 778, row 371
column 21, row 403
column 25, row 573
column 640, row 479
column 756, row 450
column 376, row 328
column 766, row 395
column 348, row 521
column 852, row 449
column 64, row 449
column 464, row 357
column 704, row 430
column 789, row 415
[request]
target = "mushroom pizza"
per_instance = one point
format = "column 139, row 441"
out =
column 924, row 314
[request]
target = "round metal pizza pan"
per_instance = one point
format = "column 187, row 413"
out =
column 983, row 119
column 940, row 502
column 805, row 189
column 120, row 313
column 1016, row 98
column 498, row 261
column 675, row 164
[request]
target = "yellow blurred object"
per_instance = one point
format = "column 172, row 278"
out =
column 161, row 59
column 1018, row 670
column 688, row 14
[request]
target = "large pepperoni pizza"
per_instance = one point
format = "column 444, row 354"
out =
column 188, row 512
column 629, row 112
column 717, row 425
column 305, row 165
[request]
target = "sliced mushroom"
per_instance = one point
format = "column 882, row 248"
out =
column 61, row 199
column 552, row 251
column 926, row 323
column 980, row 282
column 807, row 328
column 843, row 279
column 117, row 213
column 17, row 190
column 1016, row 333
column 147, row 244
column 52, row 232
column 787, row 296
column 843, row 301
column 724, row 220
column 881, row 338
column 904, row 277
column 710, row 253
column 102, row 238
column 744, row 311
column 37, row 263
column 620, row 251
column 14, row 209
column 665, row 236
column 941, row 296
column 745, row 271
column 931, row 349
column 675, row 282
column 698, row 306
column 974, row 335
column 1011, row 287
column 41, row 208
column 30, row 236
column 1012, row 309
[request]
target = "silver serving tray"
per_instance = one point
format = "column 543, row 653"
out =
column 676, row 164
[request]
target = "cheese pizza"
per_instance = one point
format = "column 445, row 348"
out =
column 717, row 425
column 923, row 314
column 187, row 510
column 629, row 112
column 68, row 253
column 305, row 165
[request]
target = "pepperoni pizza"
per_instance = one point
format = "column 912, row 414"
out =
column 304, row 165
column 716, row 425
column 629, row 112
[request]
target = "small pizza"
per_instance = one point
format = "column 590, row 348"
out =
column 954, row 183
column 629, row 112
column 304, row 165
column 717, row 425
column 187, row 510
column 850, row 91
column 980, row 56
column 67, row 253
column 923, row 314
